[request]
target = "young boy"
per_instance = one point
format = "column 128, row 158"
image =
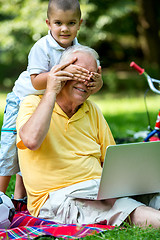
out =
column 64, row 21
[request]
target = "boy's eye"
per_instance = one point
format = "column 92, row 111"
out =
column 72, row 23
column 58, row 23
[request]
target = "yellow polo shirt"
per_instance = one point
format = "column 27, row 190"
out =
column 71, row 152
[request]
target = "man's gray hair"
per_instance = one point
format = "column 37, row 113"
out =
column 79, row 48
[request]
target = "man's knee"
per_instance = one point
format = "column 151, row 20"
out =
column 145, row 216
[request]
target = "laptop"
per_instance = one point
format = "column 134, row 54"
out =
column 128, row 169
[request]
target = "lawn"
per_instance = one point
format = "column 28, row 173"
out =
column 126, row 116
column 2, row 106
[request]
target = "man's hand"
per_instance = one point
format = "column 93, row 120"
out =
column 57, row 77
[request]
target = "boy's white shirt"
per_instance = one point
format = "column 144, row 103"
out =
column 45, row 54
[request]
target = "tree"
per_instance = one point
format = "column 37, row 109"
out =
column 110, row 27
column 148, row 29
column 22, row 23
column 118, row 30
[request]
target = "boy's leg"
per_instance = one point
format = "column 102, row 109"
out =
column 145, row 216
column 4, row 181
column 8, row 151
column 20, row 191
column 19, row 198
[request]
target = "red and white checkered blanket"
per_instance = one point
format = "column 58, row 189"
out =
column 24, row 226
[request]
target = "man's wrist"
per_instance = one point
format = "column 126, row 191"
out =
column 50, row 98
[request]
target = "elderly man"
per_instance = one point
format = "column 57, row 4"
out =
column 62, row 139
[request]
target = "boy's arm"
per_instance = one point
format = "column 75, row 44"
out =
column 39, row 81
column 80, row 74
column 33, row 132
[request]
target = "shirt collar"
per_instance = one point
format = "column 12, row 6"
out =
column 79, row 114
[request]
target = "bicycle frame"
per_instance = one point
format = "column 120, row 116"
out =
column 151, row 82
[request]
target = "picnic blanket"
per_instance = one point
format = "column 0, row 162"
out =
column 24, row 226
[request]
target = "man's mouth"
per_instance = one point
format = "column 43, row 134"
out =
column 80, row 89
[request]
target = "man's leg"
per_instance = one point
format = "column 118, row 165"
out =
column 144, row 216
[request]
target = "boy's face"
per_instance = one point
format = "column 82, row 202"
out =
column 64, row 26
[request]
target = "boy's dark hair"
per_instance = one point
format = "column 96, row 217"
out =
column 64, row 5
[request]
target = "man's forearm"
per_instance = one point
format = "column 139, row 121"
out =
column 35, row 129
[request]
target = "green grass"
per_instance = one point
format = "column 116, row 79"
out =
column 2, row 106
column 122, row 233
column 125, row 115
column 127, row 233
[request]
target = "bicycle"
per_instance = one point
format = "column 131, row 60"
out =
column 153, row 135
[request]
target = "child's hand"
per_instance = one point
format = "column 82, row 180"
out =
column 80, row 73
column 96, row 83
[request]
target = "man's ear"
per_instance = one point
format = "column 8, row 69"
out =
column 99, row 70
column 48, row 23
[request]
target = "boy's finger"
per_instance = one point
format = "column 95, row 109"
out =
column 81, row 69
column 82, row 73
column 60, row 67
column 80, row 77
column 64, row 73
column 94, row 76
column 91, row 84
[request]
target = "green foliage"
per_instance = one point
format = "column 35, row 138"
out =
column 111, row 27
column 23, row 23
column 10, row 189
column 123, row 81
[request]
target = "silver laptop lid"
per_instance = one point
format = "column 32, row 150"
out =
column 130, row 169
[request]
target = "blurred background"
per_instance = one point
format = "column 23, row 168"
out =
column 121, row 31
